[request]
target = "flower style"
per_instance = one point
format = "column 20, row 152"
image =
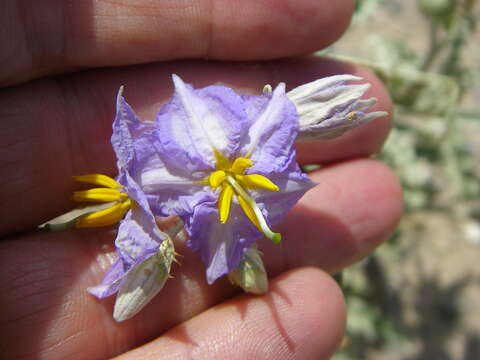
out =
column 226, row 164
column 140, row 245
column 329, row 107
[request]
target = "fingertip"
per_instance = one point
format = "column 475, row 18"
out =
column 321, row 315
column 301, row 317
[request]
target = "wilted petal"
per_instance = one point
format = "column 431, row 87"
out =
column 127, row 128
column 329, row 107
column 143, row 282
column 136, row 240
column 138, row 234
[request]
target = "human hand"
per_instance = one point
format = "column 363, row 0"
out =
column 59, row 125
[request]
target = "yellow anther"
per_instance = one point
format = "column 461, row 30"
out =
column 216, row 178
column 224, row 203
column 256, row 181
column 98, row 179
column 248, row 210
column 105, row 217
column 99, row 195
column 240, row 164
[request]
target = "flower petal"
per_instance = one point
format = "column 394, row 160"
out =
column 134, row 143
column 126, row 127
column 133, row 247
column 110, row 283
column 272, row 132
column 196, row 122
column 138, row 238
column 293, row 185
column 170, row 190
column 221, row 246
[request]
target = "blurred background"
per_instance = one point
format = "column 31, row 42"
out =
column 418, row 296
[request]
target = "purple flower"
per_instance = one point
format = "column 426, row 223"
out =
column 226, row 164
column 138, row 238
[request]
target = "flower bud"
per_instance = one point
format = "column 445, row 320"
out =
column 329, row 107
column 267, row 89
column 250, row 274
column 143, row 282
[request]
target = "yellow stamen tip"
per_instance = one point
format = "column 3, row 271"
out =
column 255, row 181
column 240, row 164
column 98, row 179
column 99, row 195
column 216, row 178
column 224, row 203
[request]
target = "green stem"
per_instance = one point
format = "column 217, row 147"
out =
column 434, row 48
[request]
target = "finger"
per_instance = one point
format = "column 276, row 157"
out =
column 45, row 275
column 53, row 36
column 355, row 206
column 52, row 130
column 301, row 317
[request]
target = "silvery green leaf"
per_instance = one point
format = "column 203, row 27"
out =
column 250, row 274
column 143, row 282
